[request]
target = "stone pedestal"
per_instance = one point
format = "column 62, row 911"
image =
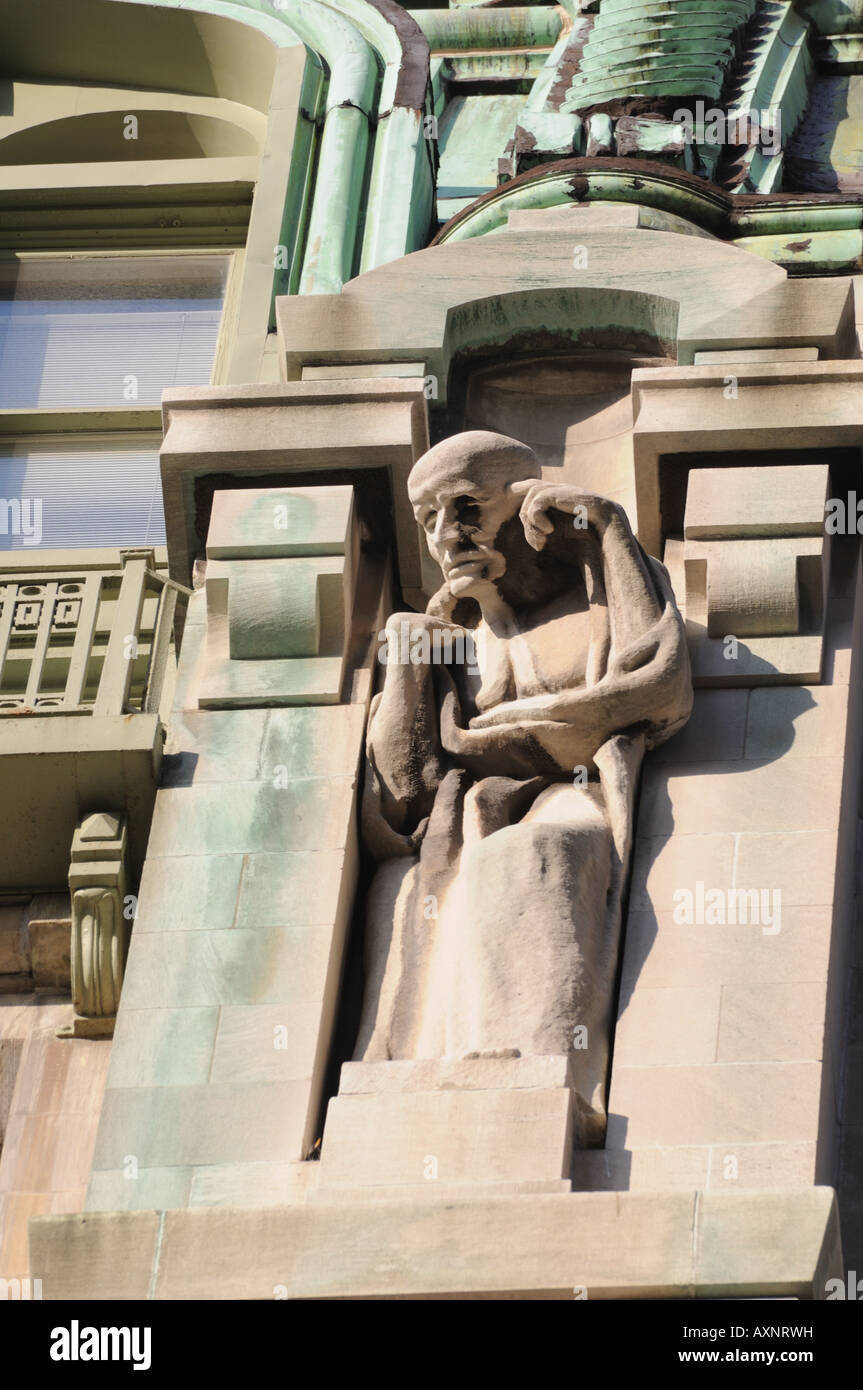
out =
column 428, row 1129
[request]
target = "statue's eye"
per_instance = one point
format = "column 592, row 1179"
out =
column 468, row 510
column 430, row 519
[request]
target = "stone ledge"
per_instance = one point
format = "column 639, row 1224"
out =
column 455, row 1074
column 688, row 1244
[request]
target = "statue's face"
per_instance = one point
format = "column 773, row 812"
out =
column 462, row 514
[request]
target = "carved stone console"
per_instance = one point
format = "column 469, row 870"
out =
column 281, row 571
column 100, row 928
column 749, row 573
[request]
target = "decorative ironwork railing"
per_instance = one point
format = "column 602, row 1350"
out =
column 88, row 642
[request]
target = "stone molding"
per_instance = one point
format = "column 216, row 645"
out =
column 687, row 1244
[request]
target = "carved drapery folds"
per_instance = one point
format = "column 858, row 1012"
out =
column 500, row 788
column 100, row 930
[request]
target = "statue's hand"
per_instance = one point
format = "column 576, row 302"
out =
column 586, row 508
column 442, row 605
column 401, row 628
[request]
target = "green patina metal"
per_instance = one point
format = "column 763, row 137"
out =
column 398, row 203
column 832, row 16
column 765, row 219
column 806, row 239
column 839, row 51
column 502, row 66
column 400, row 200
column 301, row 183
column 820, row 252
column 472, row 133
column 449, row 31
column 684, row 47
column 331, row 242
column 774, row 83
column 361, row 190
column 558, row 187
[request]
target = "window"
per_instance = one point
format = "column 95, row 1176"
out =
column 106, row 333
column 102, row 331
column 68, row 491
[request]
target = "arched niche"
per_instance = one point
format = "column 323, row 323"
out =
column 573, row 409
column 146, row 46
column 553, row 368
column 99, row 136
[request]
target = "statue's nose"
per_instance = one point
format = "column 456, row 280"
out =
column 447, row 527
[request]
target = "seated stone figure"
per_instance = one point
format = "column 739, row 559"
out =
column 499, row 793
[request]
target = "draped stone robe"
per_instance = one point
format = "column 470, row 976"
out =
column 493, row 919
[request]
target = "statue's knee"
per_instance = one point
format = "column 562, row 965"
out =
column 530, row 844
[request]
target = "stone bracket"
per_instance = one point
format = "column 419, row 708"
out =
column 100, row 929
column 281, row 577
column 749, row 574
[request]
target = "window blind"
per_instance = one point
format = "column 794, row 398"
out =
column 107, row 331
column 97, row 331
column 55, row 359
column 91, row 490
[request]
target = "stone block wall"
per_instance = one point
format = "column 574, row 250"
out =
column 225, row 1024
column 50, row 1097
column 728, row 1050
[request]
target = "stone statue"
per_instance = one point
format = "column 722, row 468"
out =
column 502, row 769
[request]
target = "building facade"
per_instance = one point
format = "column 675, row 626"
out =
column 257, row 259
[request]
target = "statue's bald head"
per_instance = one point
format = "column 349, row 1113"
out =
column 463, row 497
column 474, row 457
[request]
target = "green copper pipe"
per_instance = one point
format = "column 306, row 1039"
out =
column 334, row 218
column 400, row 193
column 329, row 197
column 401, row 190
column 381, row 37
column 449, row 31
column 301, row 180
column 819, row 253
column 353, row 70
column 773, row 221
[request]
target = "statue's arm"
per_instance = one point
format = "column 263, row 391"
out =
column 403, row 741
column 656, row 692
column 633, row 603
column 645, row 677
